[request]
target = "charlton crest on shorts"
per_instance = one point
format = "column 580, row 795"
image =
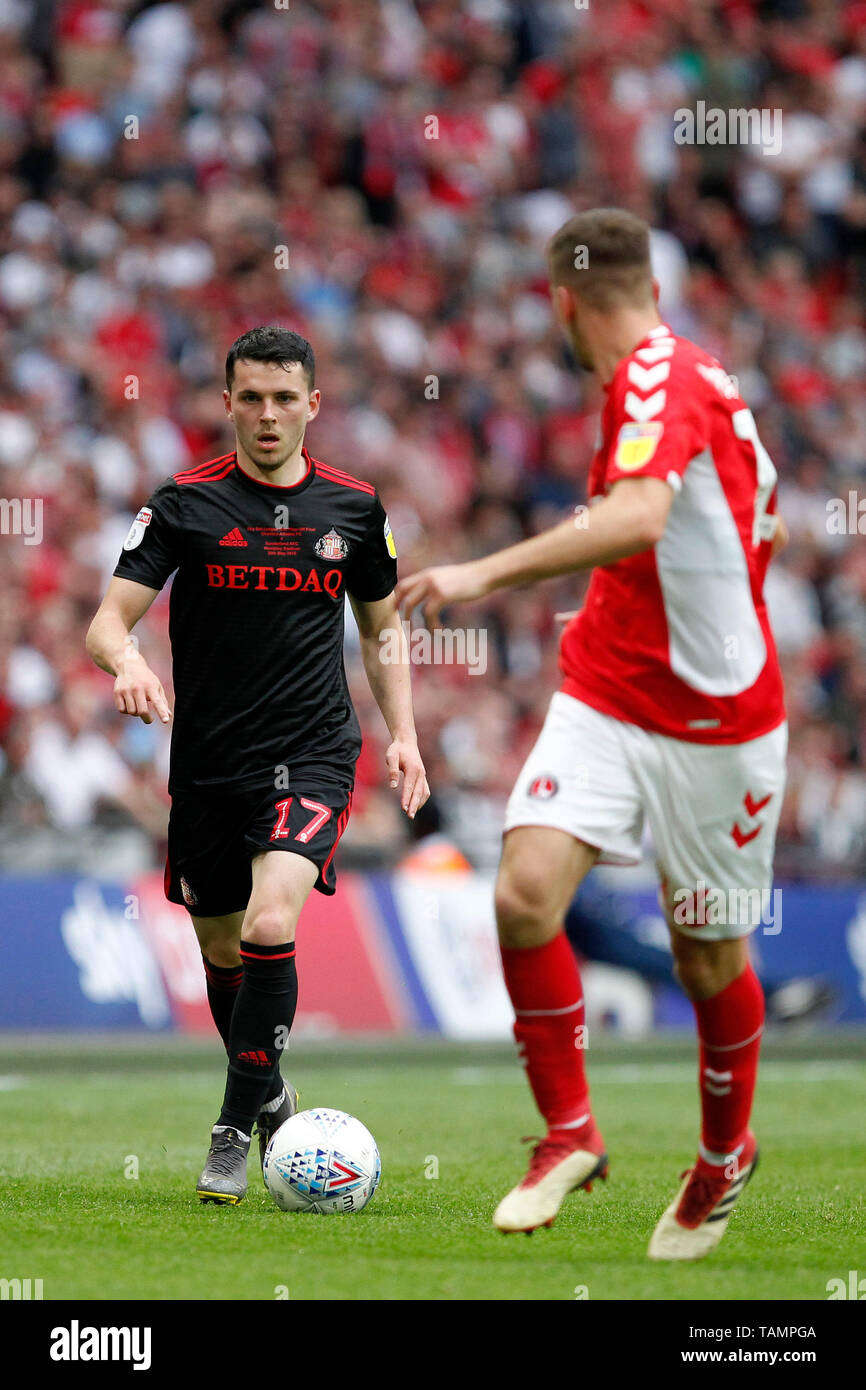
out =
column 331, row 546
column 544, row 787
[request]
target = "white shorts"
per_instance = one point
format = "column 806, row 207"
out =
column 712, row 809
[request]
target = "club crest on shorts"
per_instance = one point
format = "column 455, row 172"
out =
column 544, row 787
column 331, row 546
column 189, row 896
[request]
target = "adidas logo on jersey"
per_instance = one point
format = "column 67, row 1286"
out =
column 234, row 537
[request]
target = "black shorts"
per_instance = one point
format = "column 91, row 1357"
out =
column 213, row 836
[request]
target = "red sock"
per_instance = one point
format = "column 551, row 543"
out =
column 729, row 1029
column 544, row 984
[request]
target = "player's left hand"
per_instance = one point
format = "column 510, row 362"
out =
column 433, row 589
column 403, row 756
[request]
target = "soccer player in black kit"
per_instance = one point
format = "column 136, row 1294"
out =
column 266, row 543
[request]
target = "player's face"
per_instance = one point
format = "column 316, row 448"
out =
column 580, row 348
column 270, row 407
column 566, row 308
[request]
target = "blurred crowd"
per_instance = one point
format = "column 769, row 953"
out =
column 381, row 176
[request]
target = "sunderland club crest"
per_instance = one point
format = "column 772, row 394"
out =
column 331, row 546
column 189, row 896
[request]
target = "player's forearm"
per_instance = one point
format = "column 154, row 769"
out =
column 611, row 530
column 109, row 641
column 386, row 662
column 137, row 689
column 144, row 806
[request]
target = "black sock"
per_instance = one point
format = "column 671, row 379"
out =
column 223, row 983
column 263, row 1015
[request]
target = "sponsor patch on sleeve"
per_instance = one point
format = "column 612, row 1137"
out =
column 636, row 443
column 138, row 528
column 389, row 540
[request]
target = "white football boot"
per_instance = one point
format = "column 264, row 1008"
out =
column 558, row 1166
column 697, row 1218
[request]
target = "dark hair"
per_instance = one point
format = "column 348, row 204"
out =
column 271, row 344
column 614, row 262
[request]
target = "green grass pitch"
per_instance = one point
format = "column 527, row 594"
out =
column 79, row 1119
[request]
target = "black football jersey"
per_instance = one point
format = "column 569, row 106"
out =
column 256, row 614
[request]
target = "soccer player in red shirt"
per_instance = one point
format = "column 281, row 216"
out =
column 670, row 711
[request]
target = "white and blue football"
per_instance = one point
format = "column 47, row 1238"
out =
column 323, row 1161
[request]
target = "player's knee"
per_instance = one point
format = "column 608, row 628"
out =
column 696, row 976
column 223, row 954
column 704, row 968
column 269, row 926
column 523, row 909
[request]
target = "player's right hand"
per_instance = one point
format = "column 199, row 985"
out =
column 137, row 690
column 433, row 589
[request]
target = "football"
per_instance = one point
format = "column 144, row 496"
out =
column 322, row 1161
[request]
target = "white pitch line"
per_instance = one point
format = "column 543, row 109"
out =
column 635, row 1074
column 12, row 1083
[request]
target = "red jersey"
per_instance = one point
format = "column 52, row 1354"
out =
column 677, row 639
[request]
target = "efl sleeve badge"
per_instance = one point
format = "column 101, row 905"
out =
column 636, row 444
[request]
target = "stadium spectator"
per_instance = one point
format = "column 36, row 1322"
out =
column 382, row 177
